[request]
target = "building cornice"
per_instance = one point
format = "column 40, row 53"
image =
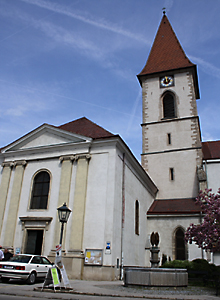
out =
column 171, row 150
column 170, row 120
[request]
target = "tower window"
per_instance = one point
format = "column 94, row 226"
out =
column 172, row 174
column 137, row 217
column 169, row 106
column 169, row 138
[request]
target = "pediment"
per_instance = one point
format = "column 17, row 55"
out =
column 45, row 136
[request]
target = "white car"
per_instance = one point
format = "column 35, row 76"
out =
column 26, row 267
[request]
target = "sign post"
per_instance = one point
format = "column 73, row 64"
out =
column 52, row 278
column 58, row 262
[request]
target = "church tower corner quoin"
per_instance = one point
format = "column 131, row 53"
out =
column 171, row 137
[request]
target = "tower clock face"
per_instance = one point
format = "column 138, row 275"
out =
column 167, row 81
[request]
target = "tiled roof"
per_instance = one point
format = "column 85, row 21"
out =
column 174, row 206
column 211, row 150
column 84, row 126
column 166, row 52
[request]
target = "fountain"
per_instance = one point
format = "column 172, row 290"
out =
column 155, row 276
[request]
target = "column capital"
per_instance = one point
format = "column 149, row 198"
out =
column 7, row 164
column 76, row 157
column 20, row 163
column 86, row 156
column 67, row 157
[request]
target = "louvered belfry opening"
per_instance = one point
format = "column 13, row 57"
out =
column 169, row 106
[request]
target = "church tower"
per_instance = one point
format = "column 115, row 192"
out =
column 171, row 139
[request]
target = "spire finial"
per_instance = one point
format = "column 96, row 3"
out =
column 164, row 10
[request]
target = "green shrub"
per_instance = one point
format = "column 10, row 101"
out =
column 198, row 265
column 176, row 264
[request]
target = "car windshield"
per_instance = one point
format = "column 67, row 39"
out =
column 21, row 258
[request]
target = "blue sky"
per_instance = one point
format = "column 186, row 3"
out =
column 64, row 59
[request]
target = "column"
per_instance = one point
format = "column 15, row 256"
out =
column 6, row 176
column 14, row 203
column 77, row 226
column 65, row 181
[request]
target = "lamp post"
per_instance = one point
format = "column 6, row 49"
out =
column 63, row 215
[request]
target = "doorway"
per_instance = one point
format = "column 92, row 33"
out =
column 34, row 242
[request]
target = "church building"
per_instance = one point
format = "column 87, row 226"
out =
column 94, row 172
column 116, row 202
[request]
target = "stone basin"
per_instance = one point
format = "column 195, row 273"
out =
column 144, row 276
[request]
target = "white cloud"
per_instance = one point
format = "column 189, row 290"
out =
column 207, row 67
column 103, row 24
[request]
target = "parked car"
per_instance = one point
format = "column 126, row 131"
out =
column 26, row 267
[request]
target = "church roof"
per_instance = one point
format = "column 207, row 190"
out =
column 211, row 150
column 84, row 126
column 166, row 52
column 174, row 206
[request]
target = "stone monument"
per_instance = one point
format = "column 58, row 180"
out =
column 154, row 239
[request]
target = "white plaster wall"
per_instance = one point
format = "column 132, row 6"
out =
column 95, row 212
column 181, row 136
column 166, row 226
column 134, row 245
column 185, row 179
column 1, row 169
column 111, row 199
column 195, row 252
column 117, row 207
column 47, row 138
column 216, row 259
column 213, row 175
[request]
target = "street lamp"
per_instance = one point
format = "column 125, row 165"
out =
column 63, row 215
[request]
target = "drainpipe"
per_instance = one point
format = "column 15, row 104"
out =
column 123, row 217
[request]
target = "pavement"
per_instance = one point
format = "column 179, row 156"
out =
column 107, row 288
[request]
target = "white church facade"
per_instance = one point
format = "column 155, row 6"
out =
column 100, row 180
column 116, row 203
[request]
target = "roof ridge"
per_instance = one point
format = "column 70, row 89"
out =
column 86, row 127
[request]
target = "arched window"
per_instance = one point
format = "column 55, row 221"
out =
column 137, row 217
column 180, row 245
column 40, row 191
column 169, row 106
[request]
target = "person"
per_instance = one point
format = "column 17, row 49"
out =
column 1, row 253
column 7, row 255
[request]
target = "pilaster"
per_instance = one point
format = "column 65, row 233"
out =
column 77, row 226
column 14, row 203
column 64, row 191
column 6, row 176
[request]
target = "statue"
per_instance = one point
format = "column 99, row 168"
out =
column 154, row 239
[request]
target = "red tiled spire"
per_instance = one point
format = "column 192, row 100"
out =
column 167, row 54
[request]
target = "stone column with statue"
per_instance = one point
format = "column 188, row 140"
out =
column 154, row 239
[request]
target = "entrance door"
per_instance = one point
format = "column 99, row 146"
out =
column 34, row 242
